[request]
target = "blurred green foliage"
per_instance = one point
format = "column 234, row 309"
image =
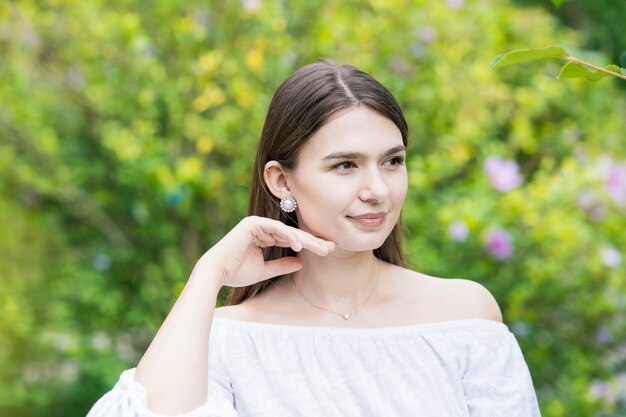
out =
column 127, row 135
column 574, row 68
column 601, row 22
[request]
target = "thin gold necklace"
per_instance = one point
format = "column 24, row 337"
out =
column 346, row 316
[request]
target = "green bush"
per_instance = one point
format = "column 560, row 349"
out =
column 128, row 133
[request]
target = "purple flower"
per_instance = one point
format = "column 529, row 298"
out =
column 615, row 183
column 591, row 205
column 428, row 34
column 598, row 390
column 418, row 50
column 400, row 66
column 30, row 39
column 499, row 244
column 503, row 174
column 620, row 381
column 455, row 4
column 603, row 335
column 251, row 5
column 75, row 78
column 458, row 231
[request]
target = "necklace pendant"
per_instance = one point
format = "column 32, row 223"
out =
column 347, row 316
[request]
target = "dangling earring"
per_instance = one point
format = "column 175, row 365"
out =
column 288, row 204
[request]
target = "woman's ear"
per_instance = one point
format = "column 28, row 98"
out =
column 276, row 179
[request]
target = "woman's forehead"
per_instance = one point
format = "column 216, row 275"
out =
column 358, row 129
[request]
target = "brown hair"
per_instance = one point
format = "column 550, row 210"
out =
column 301, row 105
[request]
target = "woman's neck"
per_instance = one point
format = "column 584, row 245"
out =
column 339, row 282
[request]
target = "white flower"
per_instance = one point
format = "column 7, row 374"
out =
column 611, row 257
column 100, row 341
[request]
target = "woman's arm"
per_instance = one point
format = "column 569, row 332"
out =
column 174, row 369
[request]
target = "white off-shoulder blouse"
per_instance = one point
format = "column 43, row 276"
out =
column 470, row 367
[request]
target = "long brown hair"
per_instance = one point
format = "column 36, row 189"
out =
column 300, row 106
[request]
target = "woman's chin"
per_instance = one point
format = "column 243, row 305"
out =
column 351, row 240
column 360, row 246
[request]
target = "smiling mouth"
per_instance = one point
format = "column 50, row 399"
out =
column 369, row 219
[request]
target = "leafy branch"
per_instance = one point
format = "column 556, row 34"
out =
column 575, row 68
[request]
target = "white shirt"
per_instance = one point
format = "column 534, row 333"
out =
column 470, row 367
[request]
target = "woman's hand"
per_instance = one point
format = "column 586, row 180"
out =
column 174, row 369
column 238, row 257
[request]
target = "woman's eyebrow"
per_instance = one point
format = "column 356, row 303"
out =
column 343, row 155
column 357, row 155
column 395, row 149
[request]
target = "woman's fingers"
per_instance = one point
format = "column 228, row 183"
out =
column 281, row 266
column 274, row 233
column 316, row 245
column 266, row 236
column 239, row 257
column 264, row 240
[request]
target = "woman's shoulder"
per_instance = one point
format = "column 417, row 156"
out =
column 405, row 297
column 473, row 299
column 431, row 298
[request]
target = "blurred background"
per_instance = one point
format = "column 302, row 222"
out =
column 127, row 136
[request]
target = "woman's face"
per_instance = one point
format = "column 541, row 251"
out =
column 350, row 180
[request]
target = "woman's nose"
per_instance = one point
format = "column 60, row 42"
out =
column 374, row 187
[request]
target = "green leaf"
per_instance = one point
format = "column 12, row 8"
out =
column 572, row 70
column 558, row 3
column 525, row 55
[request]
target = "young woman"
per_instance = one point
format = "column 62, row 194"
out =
column 324, row 318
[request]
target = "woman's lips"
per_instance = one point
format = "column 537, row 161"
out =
column 369, row 219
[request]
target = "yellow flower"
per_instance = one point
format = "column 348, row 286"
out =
column 254, row 59
column 204, row 145
column 210, row 98
column 189, row 169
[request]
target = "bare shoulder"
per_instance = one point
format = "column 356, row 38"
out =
column 474, row 299
column 431, row 298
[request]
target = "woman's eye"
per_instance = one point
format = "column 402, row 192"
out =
column 396, row 160
column 345, row 165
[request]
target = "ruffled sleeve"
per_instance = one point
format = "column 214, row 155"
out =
column 495, row 378
column 130, row 399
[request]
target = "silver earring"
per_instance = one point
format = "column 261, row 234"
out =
column 288, row 204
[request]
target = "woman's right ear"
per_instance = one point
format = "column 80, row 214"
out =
column 276, row 179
